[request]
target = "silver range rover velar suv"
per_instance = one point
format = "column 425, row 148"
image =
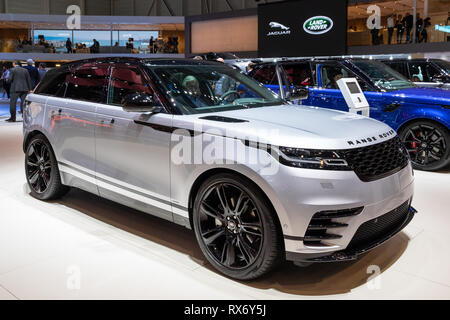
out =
column 258, row 179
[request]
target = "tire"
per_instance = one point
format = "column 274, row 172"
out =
column 41, row 170
column 243, row 241
column 428, row 144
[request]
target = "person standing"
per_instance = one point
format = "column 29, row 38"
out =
column 69, row 46
column 151, row 44
column 6, row 84
column 33, row 71
column 42, row 70
column 426, row 24
column 419, row 28
column 400, row 29
column 408, row 21
column 20, row 81
column 390, row 23
column 374, row 32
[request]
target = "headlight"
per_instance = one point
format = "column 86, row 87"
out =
column 312, row 159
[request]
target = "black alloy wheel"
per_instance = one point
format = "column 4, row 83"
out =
column 235, row 229
column 38, row 166
column 428, row 145
column 41, row 170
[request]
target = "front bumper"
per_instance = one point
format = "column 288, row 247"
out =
column 301, row 193
column 352, row 253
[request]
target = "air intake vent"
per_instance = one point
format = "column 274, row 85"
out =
column 322, row 226
column 377, row 228
column 223, row 119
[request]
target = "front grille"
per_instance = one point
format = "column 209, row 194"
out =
column 375, row 229
column 322, row 225
column 377, row 161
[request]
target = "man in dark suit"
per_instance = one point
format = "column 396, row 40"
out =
column 409, row 23
column 20, row 81
column 33, row 71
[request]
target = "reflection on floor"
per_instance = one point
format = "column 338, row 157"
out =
column 83, row 246
column 4, row 110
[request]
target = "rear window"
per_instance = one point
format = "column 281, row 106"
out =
column 266, row 75
column 53, row 83
column 88, row 83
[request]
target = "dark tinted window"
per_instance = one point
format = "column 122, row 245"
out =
column 53, row 83
column 88, row 82
column 330, row 72
column 126, row 80
column 299, row 74
column 265, row 75
column 400, row 67
column 422, row 71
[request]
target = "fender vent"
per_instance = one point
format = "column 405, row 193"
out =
column 223, row 119
column 322, row 225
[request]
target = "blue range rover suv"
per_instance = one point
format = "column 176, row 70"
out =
column 421, row 116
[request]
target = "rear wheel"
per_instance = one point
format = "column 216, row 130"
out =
column 41, row 170
column 428, row 144
column 236, row 227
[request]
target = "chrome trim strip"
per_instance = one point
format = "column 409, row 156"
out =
column 133, row 193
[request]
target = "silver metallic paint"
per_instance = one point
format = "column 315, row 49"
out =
column 130, row 163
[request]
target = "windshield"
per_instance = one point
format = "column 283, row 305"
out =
column 212, row 88
column 382, row 75
column 444, row 65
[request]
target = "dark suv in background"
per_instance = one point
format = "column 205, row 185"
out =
column 423, row 72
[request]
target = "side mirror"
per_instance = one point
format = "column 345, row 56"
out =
column 298, row 93
column 140, row 102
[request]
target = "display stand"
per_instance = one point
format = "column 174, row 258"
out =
column 354, row 97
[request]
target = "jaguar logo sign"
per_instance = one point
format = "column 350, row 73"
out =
column 282, row 29
column 318, row 25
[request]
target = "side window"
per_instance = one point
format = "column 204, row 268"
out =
column 53, row 83
column 126, row 80
column 418, row 72
column 266, row 75
column 89, row 83
column 399, row 67
column 299, row 74
column 330, row 72
column 432, row 72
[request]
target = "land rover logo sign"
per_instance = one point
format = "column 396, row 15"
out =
column 318, row 25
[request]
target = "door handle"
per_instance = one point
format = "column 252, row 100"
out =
column 111, row 121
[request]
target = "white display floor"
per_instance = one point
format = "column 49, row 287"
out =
column 84, row 247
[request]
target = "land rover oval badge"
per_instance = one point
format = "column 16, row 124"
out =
column 318, row 25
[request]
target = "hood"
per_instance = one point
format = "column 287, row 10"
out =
column 292, row 126
column 424, row 95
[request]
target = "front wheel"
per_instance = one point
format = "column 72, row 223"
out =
column 428, row 144
column 41, row 170
column 236, row 228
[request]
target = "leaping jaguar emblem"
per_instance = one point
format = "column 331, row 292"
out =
column 278, row 25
